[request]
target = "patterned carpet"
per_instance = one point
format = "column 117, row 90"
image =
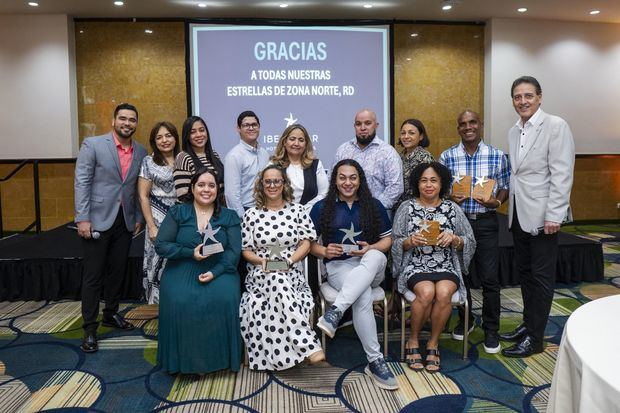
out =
column 42, row 367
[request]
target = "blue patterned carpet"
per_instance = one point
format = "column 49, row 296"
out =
column 42, row 367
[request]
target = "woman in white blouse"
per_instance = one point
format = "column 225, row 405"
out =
column 295, row 154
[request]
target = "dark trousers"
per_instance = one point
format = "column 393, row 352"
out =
column 486, row 262
column 104, row 264
column 536, row 258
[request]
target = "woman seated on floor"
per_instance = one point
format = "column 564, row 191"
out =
column 430, row 232
column 199, row 294
column 275, row 309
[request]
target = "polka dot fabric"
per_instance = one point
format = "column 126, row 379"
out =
column 275, row 309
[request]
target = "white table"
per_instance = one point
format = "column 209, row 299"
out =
column 587, row 371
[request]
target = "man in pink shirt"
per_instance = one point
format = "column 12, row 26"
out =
column 107, row 211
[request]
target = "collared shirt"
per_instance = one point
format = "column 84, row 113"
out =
column 526, row 131
column 242, row 165
column 382, row 166
column 487, row 162
column 347, row 219
column 124, row 155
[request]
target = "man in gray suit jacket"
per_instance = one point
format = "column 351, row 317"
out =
column 107, row 211
column 542, row 157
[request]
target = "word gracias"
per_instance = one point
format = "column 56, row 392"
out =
column 290, row 51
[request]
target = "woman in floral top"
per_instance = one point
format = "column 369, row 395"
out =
column 413, row 139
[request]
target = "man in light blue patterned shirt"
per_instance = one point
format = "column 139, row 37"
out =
column 380, row 161
column 475, row 158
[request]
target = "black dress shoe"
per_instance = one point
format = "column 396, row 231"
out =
column 523, row 348
column 89, row 343
column 117, row 321
column 515, row 335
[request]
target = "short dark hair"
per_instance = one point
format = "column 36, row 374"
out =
column 125, row 106
column 219, row 198
column 424, row 142
column 526, row 79
column 245, row 114
column 158, row 158
column 444, row 175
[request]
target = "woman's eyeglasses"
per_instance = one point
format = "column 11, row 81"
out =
column 273, row 182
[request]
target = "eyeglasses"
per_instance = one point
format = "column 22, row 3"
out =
column 273, row 182
column 250, row 125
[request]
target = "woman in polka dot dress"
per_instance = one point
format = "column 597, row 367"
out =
column 275, row 309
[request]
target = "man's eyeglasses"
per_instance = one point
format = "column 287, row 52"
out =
column 250, row 125
column 273, row 182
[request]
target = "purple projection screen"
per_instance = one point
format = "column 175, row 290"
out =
column 317, row 76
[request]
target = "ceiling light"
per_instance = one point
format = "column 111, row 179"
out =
column 368, row 6
column 593, row 12
column 33, row 4
column 446, row 7
column 119, row 3
column 409, row 59
column 283, row 5
column 522, row 9
column 414, row 35
column 148, row 31
column 202, row 5
column 81, row 31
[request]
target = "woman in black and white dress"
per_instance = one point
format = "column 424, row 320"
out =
column 275, row 310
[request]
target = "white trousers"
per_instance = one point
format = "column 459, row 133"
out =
column 354, row 278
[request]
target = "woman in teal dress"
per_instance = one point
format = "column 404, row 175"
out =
column 199, row 294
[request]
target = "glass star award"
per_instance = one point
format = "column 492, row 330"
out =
column 275, row 261
column 210, row 245
column 349, row 235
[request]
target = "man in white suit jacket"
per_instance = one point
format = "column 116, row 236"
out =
column 542, row 157
column 106, row 213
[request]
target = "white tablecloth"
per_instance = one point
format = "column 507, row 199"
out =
column 587, row 371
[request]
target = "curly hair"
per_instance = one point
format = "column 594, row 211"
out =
column 280, row 157
column 259, row 188
column 219, row 197
column 187, row 147
column 445, row 176
column 370, row 216
column 158, row 158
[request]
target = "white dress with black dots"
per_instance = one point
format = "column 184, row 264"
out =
column 275, row 309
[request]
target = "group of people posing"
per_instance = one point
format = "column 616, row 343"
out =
column 204, row 216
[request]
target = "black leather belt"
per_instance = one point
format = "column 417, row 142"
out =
column 480, row 215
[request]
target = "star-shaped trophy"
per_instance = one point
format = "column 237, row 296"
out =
column 210, row 245
column 461, row 185
column 276, row 261
column 483, row 189
column 349, row 234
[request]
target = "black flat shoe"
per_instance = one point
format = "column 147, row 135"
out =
column 89, row 343
column 523, row 348
column 117, row 321
column 515, row 335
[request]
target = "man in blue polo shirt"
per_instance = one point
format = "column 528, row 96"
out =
column 475, row 158
column 356, row 233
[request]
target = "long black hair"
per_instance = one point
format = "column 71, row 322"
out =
column 370, row 216
column 219, row 198
column 187, row 147
column 158, row 157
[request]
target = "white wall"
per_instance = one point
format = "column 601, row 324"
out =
column 578, row 67
column 38, row 110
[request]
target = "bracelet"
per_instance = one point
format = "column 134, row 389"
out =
column 290, row 262
column 499, row 203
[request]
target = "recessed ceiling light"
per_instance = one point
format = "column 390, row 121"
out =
column 148, row 31
column 283, row 5
column 202, row 5
column 81, row 31
column 446, row 7
column 119, row 3
column 368, row 6
column 33, row 4
column 522, row 9
column 593, row 12
column 408, row 59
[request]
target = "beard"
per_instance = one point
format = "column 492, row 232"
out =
column 365, row 140
column 123, row 133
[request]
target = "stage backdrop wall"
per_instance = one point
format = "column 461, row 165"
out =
column 118, row 61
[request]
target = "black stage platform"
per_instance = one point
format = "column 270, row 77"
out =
column 48, row 266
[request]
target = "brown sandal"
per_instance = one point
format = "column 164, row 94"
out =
column 433, row 363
